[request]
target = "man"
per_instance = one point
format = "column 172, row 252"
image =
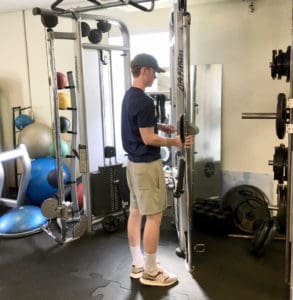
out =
column 145, row 171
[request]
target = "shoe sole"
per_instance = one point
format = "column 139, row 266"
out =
column 135, row 275
column 156, row 283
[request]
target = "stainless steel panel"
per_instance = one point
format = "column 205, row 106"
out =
column 206, row 81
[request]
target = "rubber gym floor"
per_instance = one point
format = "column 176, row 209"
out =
column 97, row 266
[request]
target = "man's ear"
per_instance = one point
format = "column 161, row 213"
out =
column 143, row 70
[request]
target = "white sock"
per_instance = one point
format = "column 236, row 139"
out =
column 137, row 257
column 151, row 263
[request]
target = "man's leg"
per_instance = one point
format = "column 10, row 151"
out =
column 151, row 238
column 153, row 274
column 134, row 238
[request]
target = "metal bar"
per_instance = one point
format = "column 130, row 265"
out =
column 61, row 11
column 288, row 247
column 83, row 127
column 22, row 153
column 257, row 115
column 64, row 35
column 104, row 47
column 189, row 153
column 61, row 194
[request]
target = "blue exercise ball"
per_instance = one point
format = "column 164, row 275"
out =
column 39, row 187
column 22, row 121
column 21, row 220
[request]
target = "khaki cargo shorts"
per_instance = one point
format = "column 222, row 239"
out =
column 147, row 187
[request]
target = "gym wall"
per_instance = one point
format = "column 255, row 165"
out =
column 222, row 32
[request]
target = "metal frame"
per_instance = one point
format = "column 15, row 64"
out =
column 84, row 151
column 19, row 153
column 182, row 103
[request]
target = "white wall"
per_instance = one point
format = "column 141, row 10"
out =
column 221, row 32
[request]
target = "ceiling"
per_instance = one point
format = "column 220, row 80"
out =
column 14, row 5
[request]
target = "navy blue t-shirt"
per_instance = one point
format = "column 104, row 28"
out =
column 138, row 111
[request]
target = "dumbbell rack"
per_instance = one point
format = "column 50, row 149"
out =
column 17, row 111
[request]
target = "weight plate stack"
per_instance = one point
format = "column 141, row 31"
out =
column 210, row 217
column 249, row 207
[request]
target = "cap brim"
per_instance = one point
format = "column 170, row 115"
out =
column 160, row 70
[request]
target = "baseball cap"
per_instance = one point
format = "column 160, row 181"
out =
column 146, row 60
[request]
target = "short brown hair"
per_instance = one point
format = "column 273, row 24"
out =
column 135, row 70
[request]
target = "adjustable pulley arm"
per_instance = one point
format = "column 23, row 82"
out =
column 99, row 5
column 54, row 6
column 143, row 8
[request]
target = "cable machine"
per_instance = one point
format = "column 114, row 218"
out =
column 183, row 113
column 93, row 60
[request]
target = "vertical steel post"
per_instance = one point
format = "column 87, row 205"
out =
column 288, row 251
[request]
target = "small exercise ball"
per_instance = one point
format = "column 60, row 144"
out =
column 63, row 100
column 39, row 187
column 61, row 80
column 21, row 220
column 64, row 124
column 64, row 149
column 37, row 138
column 22, row 121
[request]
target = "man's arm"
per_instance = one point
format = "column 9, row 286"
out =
column 150, row 138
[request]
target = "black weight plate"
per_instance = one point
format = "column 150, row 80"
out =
column 257, row 243
column 240, row 193
column 110, row 224
column 281, row 116
column 248, row 213
column 280, row 163
column 272, row 232
column 182, row 129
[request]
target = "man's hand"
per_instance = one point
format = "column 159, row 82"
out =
column 189, row 141
column 167, row 128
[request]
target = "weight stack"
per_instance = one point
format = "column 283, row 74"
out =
column 210, row 217
column 108, row 189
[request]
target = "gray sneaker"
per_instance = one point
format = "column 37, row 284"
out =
column 136, row 272
column 162, row 278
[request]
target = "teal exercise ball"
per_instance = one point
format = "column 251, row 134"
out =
column 64, row 149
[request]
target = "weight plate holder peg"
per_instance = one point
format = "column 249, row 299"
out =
column 282, row 115
column 280, row 163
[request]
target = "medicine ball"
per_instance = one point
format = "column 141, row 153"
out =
column 61, row 80
column 64, row 124
column 95, row 36
column 85, row 29
column 104, row 26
